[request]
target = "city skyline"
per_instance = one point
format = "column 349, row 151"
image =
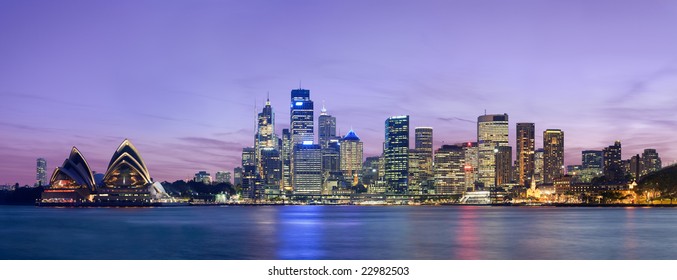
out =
column 196, row 74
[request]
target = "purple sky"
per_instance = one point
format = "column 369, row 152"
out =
column 181, row 78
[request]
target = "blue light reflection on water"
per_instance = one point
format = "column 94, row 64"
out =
column 338, row 232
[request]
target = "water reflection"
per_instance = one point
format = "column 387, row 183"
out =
column 300, row 233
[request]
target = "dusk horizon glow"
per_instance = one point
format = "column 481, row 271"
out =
column 184, row 80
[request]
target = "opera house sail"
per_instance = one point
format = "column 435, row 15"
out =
column 125, row 183
column 72, row 182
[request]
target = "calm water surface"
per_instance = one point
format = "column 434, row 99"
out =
column 338, row 232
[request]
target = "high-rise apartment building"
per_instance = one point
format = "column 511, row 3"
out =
column 553, row 157
column 396, row 154
column 351, row 157
column 538, row 165
column 526, row 146
column 40, row 173
column 492, row 132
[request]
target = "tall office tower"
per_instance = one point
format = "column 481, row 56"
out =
column 40, row 175
column 326, row 125
column 422, row 177
column 265, row 136
column 415, row 172
column 538, row 165
column 286, row 160
column 301, row 117
column 613, row 167
column 553, row 158
column 307, row 169
column 396, row 154
column 331, row 161
column 222, row 177
column 503, row 165
column 449, row 170
column 203, row 176
column 492, row 132
column 237, row 176
column 592, row 159
column 650, row 162
column 351, row 157
column 370, row 171
column 250, row 176
column 470, row 167
column 271, row 165
column 525, row 153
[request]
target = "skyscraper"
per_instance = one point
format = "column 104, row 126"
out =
column 271, row 165
column 326, row 128
column 237, row 176
column 449, row 170
column 553, row 157
column 396, row 154
column 538, row 165
column 40, row 176
column 250, row 176
column 525, row 152
column 301, row 117
column 421, row 160
column 286, row 160
column 492, row 132
column 503, row 165
column 265, row 135
column 351, row 157
column 203, row 176
column 613, row 167
column 470, row 167
column 307, row 169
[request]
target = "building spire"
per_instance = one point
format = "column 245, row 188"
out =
column 268, row 98
column 324, row 110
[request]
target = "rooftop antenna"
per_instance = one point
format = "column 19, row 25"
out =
column 300, row 84
column 485, row 112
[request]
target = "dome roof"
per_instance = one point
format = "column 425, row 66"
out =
column 351, row 136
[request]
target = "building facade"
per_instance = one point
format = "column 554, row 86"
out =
column 396, row 154
column 351, row 157
column 492, row 132
column 526, row 145
column 449, row 170
column 553, row 156
column 41, row 172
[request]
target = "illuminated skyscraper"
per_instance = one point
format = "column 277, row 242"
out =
column 351, row 157
column 326, row 128
column 613, row 167
column 286, row 160
column 449, row 170
column 203, row 176
column 592, row 159
column 492, row 132
column 307, row 169
column 503, row 165
column 538, row 166
column 525, row 152
column 470, row 167
column 396, row 154
column 265, row 136
column 40, row 176
column 553, row 157
column 250, row 176
column 421, row 161
column 301, row 117
column 237, row 176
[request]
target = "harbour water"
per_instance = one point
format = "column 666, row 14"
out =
column 338, row 232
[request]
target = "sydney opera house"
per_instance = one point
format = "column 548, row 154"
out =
column 125, row 183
